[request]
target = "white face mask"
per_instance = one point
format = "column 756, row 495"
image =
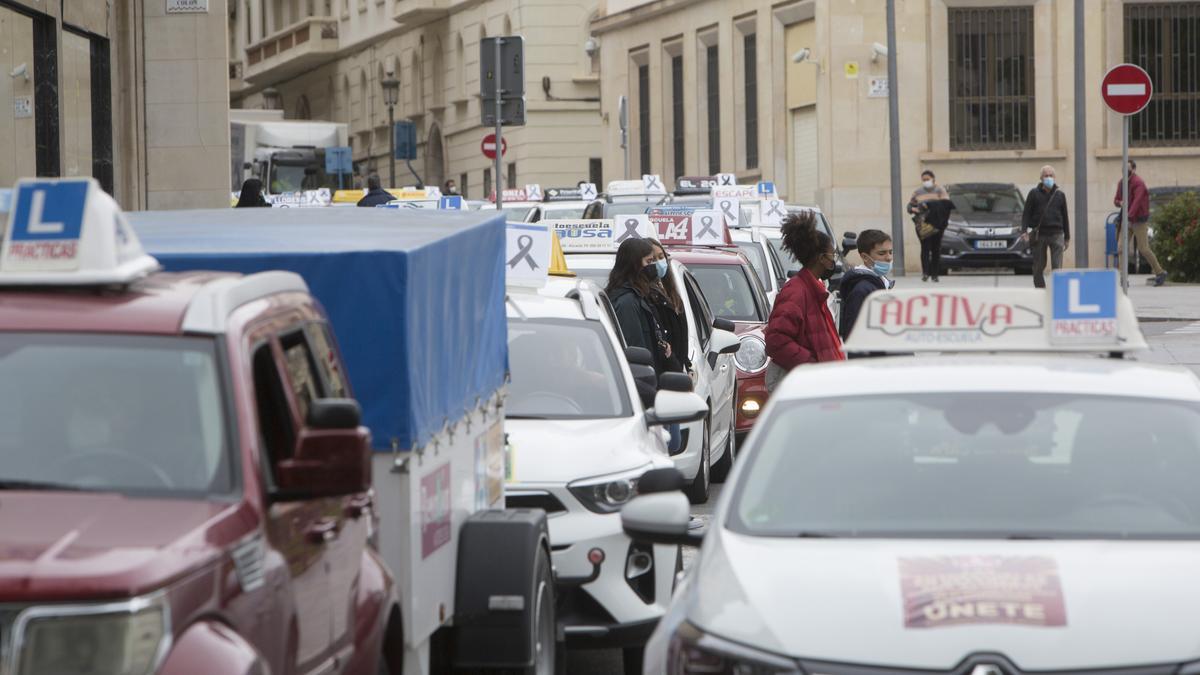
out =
column 928, row 184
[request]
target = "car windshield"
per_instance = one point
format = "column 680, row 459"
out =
column 515, row 214
column 296, row 177
column 596, row 276
column 758, row 260
column 1005, row 201
column 729, row 292
column 128, row 414
column 974, row 465
column 562, row 212
column 563, row 369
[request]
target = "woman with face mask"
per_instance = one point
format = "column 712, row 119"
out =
column 631, row 290
column 801, row 328
column 668, row 309
column 930, row 236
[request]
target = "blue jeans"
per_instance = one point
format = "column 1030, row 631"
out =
column 676, row 438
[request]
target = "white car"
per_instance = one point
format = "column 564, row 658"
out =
column 763, row 257
column 715, row 376
column 579, row 438
column 514, row 212
column 976, row 513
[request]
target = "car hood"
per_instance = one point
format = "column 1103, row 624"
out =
column 80, row 546
column 987, row 219
column 561, row 451
column 818, row 599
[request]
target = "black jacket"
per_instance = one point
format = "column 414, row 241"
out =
column 376, row 197
column 674, row 325
column 937, row 213
column 638, row 323
column 1046, row 211
column 856, row 286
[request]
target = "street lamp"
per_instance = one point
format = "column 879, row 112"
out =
column 271, row 99
column 391, row 95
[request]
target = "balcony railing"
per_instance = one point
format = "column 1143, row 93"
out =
column 301, row 46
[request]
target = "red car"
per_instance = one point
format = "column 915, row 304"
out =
column 735, row 294
column 185, row 484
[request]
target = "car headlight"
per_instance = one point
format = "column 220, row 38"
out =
column 129, row 638
column 692, row 652
column 607, row 494
column 958, row 228
column 752, row 356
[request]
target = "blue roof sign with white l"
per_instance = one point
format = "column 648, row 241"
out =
column 1084, row 307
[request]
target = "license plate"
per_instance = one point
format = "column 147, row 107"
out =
column 991, row 243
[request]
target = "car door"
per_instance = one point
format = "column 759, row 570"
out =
column 722, row 372
column 298, row 529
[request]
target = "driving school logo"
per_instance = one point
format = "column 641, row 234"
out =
column 955, row 590
column 949, row 314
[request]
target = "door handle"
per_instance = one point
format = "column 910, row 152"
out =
column 322, row 531
column 356, row 506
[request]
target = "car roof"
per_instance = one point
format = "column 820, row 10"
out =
column 534, row 305
column 1042, row 373
column 155, row 305
column 696, row 255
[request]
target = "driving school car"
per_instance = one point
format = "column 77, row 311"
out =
column 563, row 203
column 184, row 488
column 1025, row 472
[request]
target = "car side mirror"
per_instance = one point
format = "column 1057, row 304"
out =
column 724, row 324
column 724, row 342
column 330, row 459
column 660, row 518
column 661, row 480
column 676, row 407
column 680, row 382
column 639, row 355
column 646, row 381
column 849, row 242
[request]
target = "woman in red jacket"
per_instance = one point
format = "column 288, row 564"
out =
column 801, row 329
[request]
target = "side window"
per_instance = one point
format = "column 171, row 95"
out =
column 593, row 211
column 302, row 372
column 700, row 310
column 777, row 265
column 329, row 363
column 612, row 317
column 535, row 214
column 274, row 415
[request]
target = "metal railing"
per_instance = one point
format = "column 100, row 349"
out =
column 1164, row 38
column 991, row 78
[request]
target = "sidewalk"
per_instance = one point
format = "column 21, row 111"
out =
column 1172, row 302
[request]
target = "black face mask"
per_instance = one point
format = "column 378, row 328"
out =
column 650, row 272
column 826, row 274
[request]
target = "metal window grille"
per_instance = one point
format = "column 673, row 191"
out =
column 512, row 174
column 677, row 112
column 991, row 78
column 750, row 62
column 713, row 93
column 643, row 76
column 1164, row 38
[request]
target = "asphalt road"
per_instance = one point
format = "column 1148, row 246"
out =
column 1174, row 342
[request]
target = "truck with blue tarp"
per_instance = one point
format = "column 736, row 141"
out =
column 417, row 302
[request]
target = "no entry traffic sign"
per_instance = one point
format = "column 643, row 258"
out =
column 488, row 146
column 1126, row 89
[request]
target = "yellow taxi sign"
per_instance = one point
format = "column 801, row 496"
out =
column 558, row 261
column 347, row 196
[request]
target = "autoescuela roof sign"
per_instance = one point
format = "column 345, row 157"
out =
column 694, row 185
column 1084, row 307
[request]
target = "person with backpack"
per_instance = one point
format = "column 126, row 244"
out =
column 875, row 249
column 1046, row 225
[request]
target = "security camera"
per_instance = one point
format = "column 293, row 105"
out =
column 878, row 50
column 591, row 47
column 20, row 71
column 801, row 56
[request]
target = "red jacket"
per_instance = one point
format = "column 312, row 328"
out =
column 1139, row 199
column 801, row 329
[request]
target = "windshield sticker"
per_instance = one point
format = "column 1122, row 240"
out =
column 957, row 590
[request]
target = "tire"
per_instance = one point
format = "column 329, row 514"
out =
column 547, row 660
column 697, row 492
column 720, row 470
column 632, row 658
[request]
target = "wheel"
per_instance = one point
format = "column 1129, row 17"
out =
column 631, row 658
column 720, row 470
column 697, row 492
column 547, row 660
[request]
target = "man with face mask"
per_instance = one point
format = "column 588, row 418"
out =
column 875, row 249
column 1045, row 225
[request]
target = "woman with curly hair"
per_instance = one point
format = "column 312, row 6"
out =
column 801, row 329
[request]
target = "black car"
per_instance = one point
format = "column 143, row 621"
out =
column 985, row 228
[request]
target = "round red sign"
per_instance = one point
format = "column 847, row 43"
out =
column 488, row 146
column 1126, row 89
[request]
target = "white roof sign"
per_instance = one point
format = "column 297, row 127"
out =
column 69, row 232
column 746, row 192
column 591, row 236
column 527, row 254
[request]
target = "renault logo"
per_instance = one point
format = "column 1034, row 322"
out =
column 987, row 669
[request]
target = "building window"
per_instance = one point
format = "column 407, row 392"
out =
column 462, row 185
column 596, row 172
column 512, row 174
column 991, row 78
column 713, row 93
column 1164, row 38
column 487, row 184
column 677, row 113
column 750, row 63
column 643, row 79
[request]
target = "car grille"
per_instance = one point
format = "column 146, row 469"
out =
column 533, row 499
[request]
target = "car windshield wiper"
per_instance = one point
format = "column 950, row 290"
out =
column 9, row 484
column 524, row 417
column 1021, row 536
column 815, row 535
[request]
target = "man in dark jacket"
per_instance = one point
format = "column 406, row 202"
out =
column 1139, row 217
column 376, row 195
column 1046, row 226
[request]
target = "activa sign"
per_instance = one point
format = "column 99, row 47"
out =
column 949, row 317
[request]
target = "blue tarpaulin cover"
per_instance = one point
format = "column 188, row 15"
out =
column 416, row 297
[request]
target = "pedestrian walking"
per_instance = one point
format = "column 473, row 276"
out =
column 251, row 195
column 376, row 195
column 875, row 249
column 801, row 328
column 1139, row 221
column 929, row 233
column 1046, row 225
column 631, row 293
column 668, row 310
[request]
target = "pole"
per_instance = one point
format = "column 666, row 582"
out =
column 894, row 140
column 1123, row 235
column 499, row 139
column 392, row 144
column 625, row 145
column 1081, row 158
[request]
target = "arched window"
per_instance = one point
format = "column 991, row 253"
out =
column 460, row 68
column 416, row 66
column 438, row 76
column 303, row 109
